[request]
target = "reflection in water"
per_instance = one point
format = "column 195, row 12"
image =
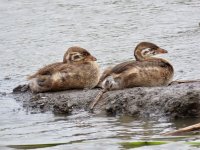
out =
column 37, row 33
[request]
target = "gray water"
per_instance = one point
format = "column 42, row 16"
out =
column 36, row 33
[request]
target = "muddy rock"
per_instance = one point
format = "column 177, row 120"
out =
column 174, row 101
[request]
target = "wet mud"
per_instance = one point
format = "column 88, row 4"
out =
column 174, row 101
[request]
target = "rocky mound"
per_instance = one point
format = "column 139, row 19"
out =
column 174, row 101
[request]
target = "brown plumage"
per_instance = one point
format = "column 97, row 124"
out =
column 145, row 71
column 77, row 71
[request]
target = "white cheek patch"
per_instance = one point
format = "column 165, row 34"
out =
column 77, row 57
column 72, row 56
column 147, row 52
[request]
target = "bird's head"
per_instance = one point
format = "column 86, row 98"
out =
column 145, row 50
column 77, row 55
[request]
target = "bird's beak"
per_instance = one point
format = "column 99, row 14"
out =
column 91, row 58
column 161, row 51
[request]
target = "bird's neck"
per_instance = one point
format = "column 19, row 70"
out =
column 139, row 56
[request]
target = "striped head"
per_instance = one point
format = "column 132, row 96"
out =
column 77, row 55
column 145, row 50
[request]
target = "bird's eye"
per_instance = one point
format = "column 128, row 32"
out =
column 76, row 57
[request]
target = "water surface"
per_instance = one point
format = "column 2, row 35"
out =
column 36, row 33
